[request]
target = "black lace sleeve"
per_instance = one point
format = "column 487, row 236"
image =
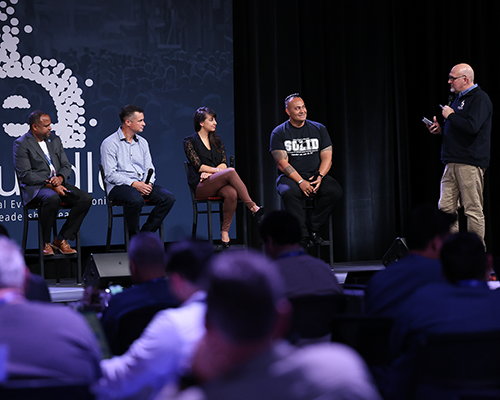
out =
column 191, row 154
column 223, row 151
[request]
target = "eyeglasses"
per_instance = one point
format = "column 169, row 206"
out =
column 291, row 96
column 452, row 78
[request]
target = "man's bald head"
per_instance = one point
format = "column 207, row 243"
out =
column 464, row 69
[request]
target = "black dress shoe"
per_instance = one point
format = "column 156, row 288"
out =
column 305, row 242
column 259, row 213
column 225, row 245
column 316, row 238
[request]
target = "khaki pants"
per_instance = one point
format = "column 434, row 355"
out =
column 462, row 185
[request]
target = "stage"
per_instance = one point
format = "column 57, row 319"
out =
column 67, row 291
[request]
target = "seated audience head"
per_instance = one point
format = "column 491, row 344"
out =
column 187, row 263
column 280, row 230
column 147, row 257
column 4, row 231
column 245, row 301
column 12, row 265
column 427, row 227
column 463, row 258
column 200, row 115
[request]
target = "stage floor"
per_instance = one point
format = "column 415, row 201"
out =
column 67, row 291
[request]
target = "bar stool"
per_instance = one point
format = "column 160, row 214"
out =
column 111, row 206
column 309, row 204
column 209, row 210
column 30, row 214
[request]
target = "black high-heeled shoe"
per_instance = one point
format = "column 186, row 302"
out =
column 259, row 213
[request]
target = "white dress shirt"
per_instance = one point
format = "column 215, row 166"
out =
column 159, row 356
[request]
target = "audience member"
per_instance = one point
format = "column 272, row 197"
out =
column 463, row 304
column 147, row 260
column 302, row 274
column 165, row 348
column 36, row 287
column 386, row 291
column 44, row 340
column 242, row 356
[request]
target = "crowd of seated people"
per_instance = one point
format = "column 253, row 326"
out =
column 221, row 323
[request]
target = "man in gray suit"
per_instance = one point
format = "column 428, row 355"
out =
column 43, row 170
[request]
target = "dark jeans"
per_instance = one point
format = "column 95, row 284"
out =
column 133, row 202
column 80, row 203
column 329, row 192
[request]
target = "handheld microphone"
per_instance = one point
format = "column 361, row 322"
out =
column 148, row 178
column 451, row 99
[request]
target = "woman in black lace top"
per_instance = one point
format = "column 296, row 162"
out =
column 208, row 171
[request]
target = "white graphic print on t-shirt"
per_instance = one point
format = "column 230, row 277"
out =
column 302, row 146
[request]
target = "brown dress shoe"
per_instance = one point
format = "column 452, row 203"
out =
column 63, row 246
column 47, row 250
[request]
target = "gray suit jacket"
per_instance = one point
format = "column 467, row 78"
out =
column 32, row 167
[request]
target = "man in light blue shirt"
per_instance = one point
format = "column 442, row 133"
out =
column 126, row 160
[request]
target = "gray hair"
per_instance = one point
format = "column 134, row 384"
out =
column 244, row 290
column 12, row 265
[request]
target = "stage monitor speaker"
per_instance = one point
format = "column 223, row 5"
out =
column 359, row 277
column 107, row 269
column 397, row 251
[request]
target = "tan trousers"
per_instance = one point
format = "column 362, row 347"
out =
column 462, row 185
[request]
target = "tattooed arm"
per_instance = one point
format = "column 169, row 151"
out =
column 281, row 158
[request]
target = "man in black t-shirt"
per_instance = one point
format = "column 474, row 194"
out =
column 303, row 152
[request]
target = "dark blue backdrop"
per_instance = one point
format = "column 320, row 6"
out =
column 82, row 61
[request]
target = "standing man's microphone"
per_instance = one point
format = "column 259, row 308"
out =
column 451, row 99
column 148, row 178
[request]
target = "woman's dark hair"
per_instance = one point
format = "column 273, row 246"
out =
column 201, row 115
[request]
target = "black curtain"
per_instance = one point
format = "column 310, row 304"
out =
column 369, row 71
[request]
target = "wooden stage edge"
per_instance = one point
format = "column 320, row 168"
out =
column 67, row 291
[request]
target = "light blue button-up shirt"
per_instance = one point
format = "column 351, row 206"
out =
column 464, row 92
column 125, row 162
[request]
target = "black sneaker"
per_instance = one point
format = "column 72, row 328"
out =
column 316, row 238
column 305, row 242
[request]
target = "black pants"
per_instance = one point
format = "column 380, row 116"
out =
column 80, row 203
column 329, row 192
column 134, row 201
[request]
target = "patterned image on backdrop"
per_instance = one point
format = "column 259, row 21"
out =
column 81, row 62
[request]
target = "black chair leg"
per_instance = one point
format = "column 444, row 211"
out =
column 25, row 230
column 41, row 260
column 78, row 260
column 110, row 229
column 195, row 221
column 330, row 239
column 209, row 222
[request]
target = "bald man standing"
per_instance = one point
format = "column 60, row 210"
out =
column 466, row 148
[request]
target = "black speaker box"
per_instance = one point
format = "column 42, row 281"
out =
column 107, row 269
column 396, row 252
column 359, row 277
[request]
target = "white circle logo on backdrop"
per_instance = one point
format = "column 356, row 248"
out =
column 52, row 75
